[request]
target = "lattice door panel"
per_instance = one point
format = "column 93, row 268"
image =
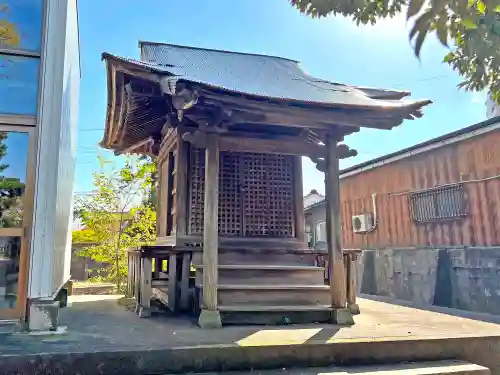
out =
column 230, row 219
column 197, row 188
column 268, row 195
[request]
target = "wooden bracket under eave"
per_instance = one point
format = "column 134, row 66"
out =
column 343, row 152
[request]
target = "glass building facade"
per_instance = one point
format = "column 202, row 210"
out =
column 39, row 81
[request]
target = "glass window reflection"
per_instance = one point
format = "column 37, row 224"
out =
column 10, row 249
column 13, row 165
column 21, row 24
column 18, row 85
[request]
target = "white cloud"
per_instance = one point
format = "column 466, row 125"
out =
column 478, row 98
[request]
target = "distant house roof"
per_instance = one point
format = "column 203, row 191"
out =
column 312, row 198
column 443, row 140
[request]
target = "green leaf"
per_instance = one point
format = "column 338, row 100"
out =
column 449, row 57
column 468, row 23
column 442, row 31
column 419, row 42
column 414, row 7
column 496, row 9
column 422, row 23
column 481, row 7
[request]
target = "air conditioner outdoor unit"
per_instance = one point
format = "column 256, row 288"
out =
column 362, row 223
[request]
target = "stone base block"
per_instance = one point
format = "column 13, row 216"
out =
column 209, row 319
column 43, row 315
column 342, row 317
column 144, row 312
column 354, row 307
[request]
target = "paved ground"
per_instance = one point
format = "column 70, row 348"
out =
column 99, row 323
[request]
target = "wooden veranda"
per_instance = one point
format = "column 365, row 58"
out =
column 228, row 131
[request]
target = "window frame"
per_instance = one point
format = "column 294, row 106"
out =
column 24, row 231
column 316, row 226
column 432, row 204
column 23, row 119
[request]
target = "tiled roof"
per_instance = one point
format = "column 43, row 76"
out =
column 260, row 76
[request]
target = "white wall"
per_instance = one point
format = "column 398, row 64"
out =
column 56, row 149
column 61, row 261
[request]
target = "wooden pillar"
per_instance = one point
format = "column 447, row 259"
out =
column 146, row 292
column 350, row 266
column 130, row 275
column 172, row 282
column 209, row 316
column 137, row 280
column 184, row 284
column 157, row 268
column 300, row 224
column 341, row 315
column 164, row 191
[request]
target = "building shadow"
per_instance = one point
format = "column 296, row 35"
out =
column 488, row 318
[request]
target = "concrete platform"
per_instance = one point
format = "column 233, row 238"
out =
column 103, row 337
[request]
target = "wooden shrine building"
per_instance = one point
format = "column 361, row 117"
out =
column 228, row 131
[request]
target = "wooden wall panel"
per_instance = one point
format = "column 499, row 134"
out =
column 476, row 160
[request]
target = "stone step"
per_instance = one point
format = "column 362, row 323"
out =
column 275, row 294
column 265, row 274
column 285, row 257
column 8, row 327
column 448, row 367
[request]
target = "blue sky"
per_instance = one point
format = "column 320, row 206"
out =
column 332, row 48
column 19, row 89
column 17, row 156
column 27, row 16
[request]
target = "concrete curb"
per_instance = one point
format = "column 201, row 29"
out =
column 483, row 351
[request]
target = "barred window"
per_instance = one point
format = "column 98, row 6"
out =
column 438, row 204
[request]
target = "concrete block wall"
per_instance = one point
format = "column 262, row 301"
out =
column 466, row 278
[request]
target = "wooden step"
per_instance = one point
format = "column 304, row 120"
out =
column 448, row 367
column 286, row 257
column 265, row 274
column 275, row 315
column 253, row 308
column 274, row 294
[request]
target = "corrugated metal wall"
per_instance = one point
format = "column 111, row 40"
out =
column 473, row 159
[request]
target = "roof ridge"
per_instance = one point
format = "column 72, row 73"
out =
column 141, row 42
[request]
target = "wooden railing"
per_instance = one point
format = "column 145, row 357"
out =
column 171, row 286
column 134, row 269
column 350, row 259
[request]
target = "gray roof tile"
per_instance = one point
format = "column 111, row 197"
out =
column 262, row 76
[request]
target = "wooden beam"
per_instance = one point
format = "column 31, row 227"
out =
column 148, row 141
column 134, row 71
column 266, row 146
column 319, row 117
column 333, row 227
column 209, row 317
